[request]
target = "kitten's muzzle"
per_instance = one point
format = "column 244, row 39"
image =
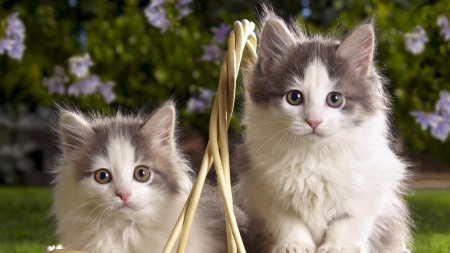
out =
column 124, row 196
column 314, row 123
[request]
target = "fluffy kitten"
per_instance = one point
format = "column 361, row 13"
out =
column 317, row 173
column 122, row 184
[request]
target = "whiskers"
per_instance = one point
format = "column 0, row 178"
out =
column 291, row 146
column 268, row 123
column 273, row 136
column 93, row 210
column 267, row 117
column 81, row 223
column 268, row 127
column 275, row 148
column 74, row 209
column 101, row 221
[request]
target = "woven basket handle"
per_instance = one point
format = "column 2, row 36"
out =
column 239, row 39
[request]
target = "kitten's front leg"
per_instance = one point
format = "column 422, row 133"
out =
column 291, row 234
column 348, row 235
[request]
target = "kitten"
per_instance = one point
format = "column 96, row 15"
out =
column 122, row 184
column 317, row 173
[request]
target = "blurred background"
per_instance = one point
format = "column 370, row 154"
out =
column 104, row 55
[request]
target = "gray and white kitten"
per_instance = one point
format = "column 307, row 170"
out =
column 317, row 173
column 122, row 183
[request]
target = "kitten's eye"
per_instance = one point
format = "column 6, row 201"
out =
column 142, row 174
column 294, row 97
column 102, row 176
column 334, row 99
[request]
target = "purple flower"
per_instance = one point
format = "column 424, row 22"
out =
column 106, row 90
column 202, row 102
column 17, row 50
column 415, row 40
column 443, row 23
column 79, row 65
column 56, row 83
column 156, row 3
column 212, row 53
column 220, row 33
column 184, row 2
column 6, row 45
column 442, row 129
column 207, row 94
column 197, row 105
column 15, row 35
column 445, row 32
column 183, row 8
column 443, row 104
column 15, row 29
column 92, row 84
column 156, row 15
column 86, row 86
column 426, row 119
column 306, row 12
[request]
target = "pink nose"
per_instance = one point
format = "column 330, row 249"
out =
column 123, row 195
column 313, row 122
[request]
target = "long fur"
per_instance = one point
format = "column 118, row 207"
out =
column 338, row 189
column 89, row 215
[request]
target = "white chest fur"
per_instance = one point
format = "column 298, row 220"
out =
column 323, row 182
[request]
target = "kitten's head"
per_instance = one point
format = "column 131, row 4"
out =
column 119, row 164
column 312, row 86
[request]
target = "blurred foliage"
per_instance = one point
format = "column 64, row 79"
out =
column 149, row 67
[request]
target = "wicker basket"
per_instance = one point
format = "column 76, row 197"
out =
column 241, row 45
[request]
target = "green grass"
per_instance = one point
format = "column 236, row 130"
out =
column 431, row 213
column 24, row 223
column 26, row 228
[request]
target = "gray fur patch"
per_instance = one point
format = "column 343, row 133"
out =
column 391, row 231
column 241, row 161
column 338, row 217
column 258, row 239
column 270, row 86
column 163, row 160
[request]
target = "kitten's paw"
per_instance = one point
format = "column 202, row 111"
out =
column 331, row 248
column 293, row 248
column 53, row 247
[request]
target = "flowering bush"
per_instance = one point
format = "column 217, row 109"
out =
column 415, row 40
column 85, row 84
column 109, row 54
column 413, row 50
column 103, row 55
column 438, row 121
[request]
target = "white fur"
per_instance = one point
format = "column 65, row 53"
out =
column 299, row 182
column 89, row 215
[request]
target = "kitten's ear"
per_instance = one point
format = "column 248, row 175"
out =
column 358, row 48
column 274, row 40
column 75, row 130
column 161, row 125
